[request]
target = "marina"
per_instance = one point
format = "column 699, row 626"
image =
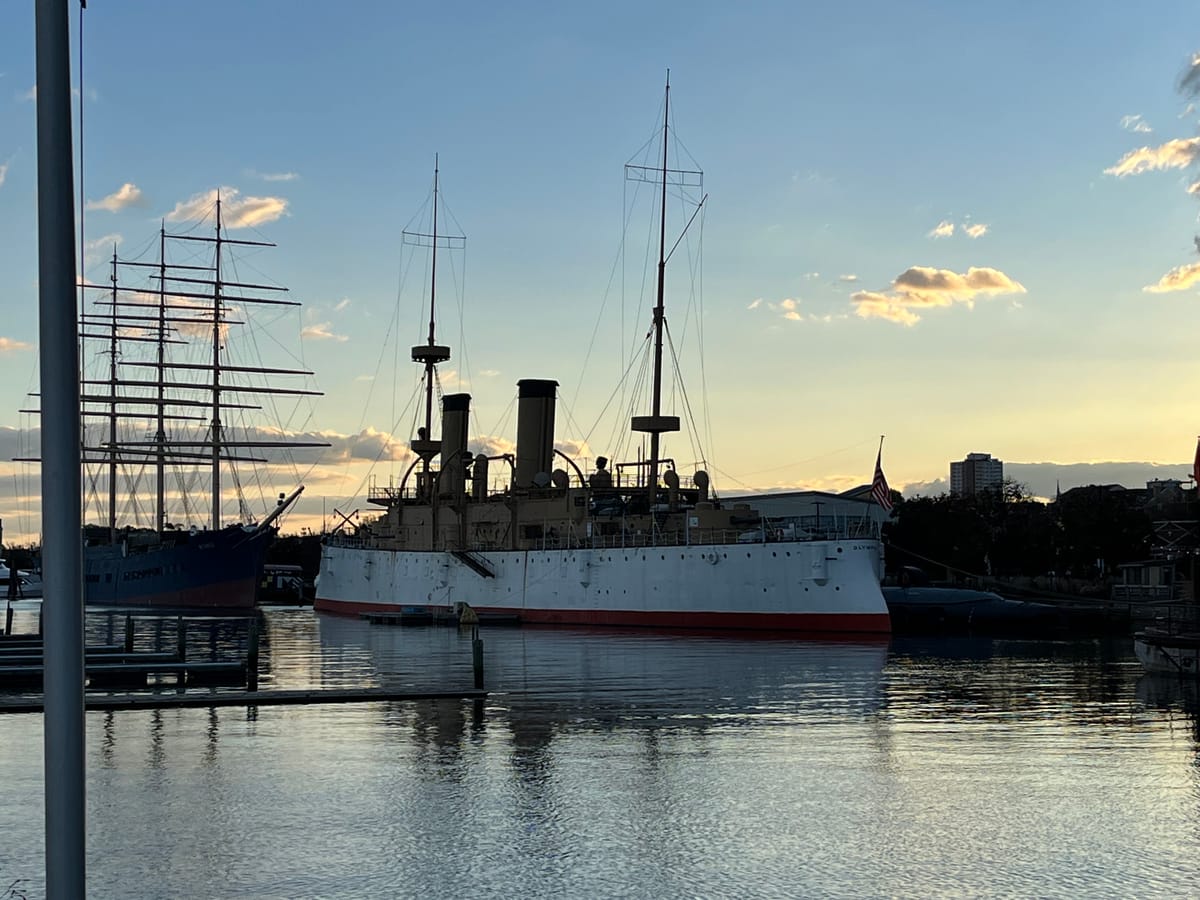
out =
column 633, row 762
column 567, row 621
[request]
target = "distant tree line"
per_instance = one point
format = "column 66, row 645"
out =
column 1084, row 533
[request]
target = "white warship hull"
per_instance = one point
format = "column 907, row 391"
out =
column 809, row 586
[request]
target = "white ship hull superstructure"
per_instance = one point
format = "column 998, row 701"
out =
column 818, row 586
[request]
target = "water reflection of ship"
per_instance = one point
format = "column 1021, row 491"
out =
column 546, row 681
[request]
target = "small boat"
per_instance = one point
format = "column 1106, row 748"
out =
column 25, row 585
column 953, row 608
column 1167, row 650
column 915, row 605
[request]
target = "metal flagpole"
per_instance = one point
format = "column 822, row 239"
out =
column 62, row 551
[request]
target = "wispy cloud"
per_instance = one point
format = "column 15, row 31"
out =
column 8, row 345
column 236, row 211
column 321, row 331
column 943, row 229
column 364, row 378
column 3, row 173
column 1135, row 123
column 923, row 287
column 813, row 177
column 1178, row 279
column 341, row 304
column 1175, row 154
column 99, row 245
column 30, row 94
column 272, row 176
column 1189, row 81
column 489, row 373
column 125, row 196
column 790, row 309
column 975, row 231
column 849, row 279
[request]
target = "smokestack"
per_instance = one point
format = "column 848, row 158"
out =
column 456, row 411
column 535, row 429
column 479, row 478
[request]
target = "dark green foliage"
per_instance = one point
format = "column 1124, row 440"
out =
column 1007, row 534
column 297, row 550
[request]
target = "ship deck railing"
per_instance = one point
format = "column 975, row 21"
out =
column 695, row 537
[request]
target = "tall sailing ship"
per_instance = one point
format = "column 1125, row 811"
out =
column 637, row 543
column 165, row 428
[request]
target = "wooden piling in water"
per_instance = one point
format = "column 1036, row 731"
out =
column 477, row 657
column 252, row 658
column 129, row 634
column 8, row 614
column 181, row 638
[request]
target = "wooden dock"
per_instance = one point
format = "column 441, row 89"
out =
column 132, row 674
column 115, row 702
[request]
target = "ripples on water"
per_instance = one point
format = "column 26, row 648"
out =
column 635, row 764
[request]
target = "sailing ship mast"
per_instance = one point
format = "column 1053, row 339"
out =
column 216, row 377
column 174, row 308
column 160, row 432
column 112, row 417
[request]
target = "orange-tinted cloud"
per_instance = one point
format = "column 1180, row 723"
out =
column 923, row 287
column 1175, row 154
column 1179, row 278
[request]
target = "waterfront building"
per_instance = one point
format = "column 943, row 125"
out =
column 977, row 473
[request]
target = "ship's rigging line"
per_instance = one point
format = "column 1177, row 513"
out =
column 628, row 209
column 392, row 334
column 619, row 438
column 187, row 479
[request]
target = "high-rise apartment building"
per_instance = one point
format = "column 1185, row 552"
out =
column 978, row 472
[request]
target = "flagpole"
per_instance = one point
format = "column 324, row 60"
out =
column 63, row 729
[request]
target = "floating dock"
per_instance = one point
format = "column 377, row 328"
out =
column 94, row 703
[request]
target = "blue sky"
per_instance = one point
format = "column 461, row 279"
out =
column 835, row 139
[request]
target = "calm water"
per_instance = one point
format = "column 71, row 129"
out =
column 636, row 764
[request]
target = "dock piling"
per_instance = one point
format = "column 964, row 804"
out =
column 129, row 634
column 181, row 638
column 8, row 614
column 252, row 658
column 477, row 657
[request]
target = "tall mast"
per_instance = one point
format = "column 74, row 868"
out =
column 112, row 410
column 658, row 309
column 431, row 352
column 160, row 433
column 656, row 423
column 216, row 380
column 429, row 362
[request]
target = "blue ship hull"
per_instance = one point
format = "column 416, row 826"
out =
column 181, row 570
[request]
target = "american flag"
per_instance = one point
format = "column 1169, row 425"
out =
column 879, row 485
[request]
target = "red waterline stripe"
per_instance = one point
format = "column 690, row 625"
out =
column 867, row 623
